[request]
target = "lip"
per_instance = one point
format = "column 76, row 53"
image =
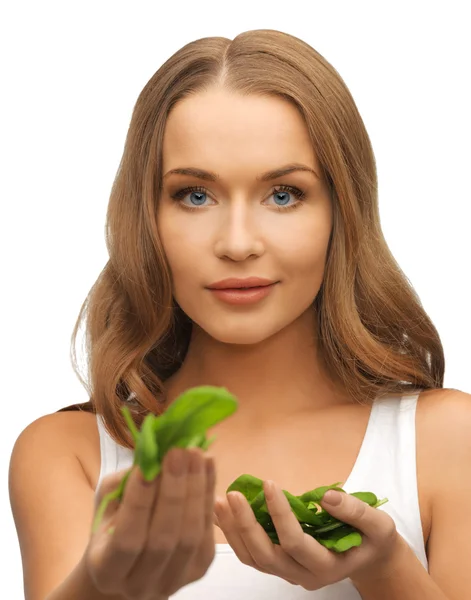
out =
column 234, row 283
column 243, row 295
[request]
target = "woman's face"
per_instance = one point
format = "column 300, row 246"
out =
column 240, row 225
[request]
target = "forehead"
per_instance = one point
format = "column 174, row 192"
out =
column 219, row 130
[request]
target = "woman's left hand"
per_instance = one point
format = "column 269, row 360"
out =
column 299, row 558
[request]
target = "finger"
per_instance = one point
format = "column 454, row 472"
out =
column 109, row 484
column 226, row 522
column 176, row 574
column 131, row 524
column 301, row 547
column 210, row 490
column 193, row 522
column 269, row 557
column 374, row 523
column 206, row 550
column 165, row 523
column 228, row 525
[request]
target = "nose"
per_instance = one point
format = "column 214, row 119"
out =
column 239, row 236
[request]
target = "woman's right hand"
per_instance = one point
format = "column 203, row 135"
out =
column 164, row 533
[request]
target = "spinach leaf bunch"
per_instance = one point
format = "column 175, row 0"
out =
column 183, row 425
column 314, row 520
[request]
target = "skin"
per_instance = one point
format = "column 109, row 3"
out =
column 239, row 231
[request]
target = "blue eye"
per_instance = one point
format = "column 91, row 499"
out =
column 198, row 191
column 284, row 201
column 198, row 200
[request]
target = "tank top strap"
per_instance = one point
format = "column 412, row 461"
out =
column 107, row 451
column 391, row 469
column 113, row 456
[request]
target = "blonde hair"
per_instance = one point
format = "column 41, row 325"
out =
column 374, row 334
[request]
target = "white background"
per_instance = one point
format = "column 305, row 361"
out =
column 71, row 73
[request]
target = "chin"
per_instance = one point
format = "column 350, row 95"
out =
column 239, row 334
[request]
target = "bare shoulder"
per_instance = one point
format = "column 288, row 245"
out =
column 443, row 423
column 74, row 432
column 443, row 426
column 52, row 497
column 445, row 413
column 84, row 431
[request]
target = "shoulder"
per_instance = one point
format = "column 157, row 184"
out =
column 443, row 424
column 443, row 442
column 445, row 413
column 73, row 433
column 51, row 497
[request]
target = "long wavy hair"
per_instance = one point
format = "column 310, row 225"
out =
column 375, row 337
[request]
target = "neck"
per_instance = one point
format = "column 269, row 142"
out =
column 282, row 375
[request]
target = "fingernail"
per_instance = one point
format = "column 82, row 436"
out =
column 235, row 501
column 196, row 463
column 269, row 489
column 210, row 470
column 332, row 497
column 178, row 462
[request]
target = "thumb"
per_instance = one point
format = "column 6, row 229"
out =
column 108, row 484
column 372, row 522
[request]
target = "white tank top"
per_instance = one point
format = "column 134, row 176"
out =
column 385, row 465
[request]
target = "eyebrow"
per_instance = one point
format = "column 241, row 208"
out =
column 268, row 176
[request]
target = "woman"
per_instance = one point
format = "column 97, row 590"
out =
column 247, row 165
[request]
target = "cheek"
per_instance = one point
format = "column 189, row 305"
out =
column 305, row 248
column 183, row 250
column 189, row 270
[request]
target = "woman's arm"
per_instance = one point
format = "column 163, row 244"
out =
column 449, row 544
column 448, row 426
column 53, row 505
column 78, row 586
